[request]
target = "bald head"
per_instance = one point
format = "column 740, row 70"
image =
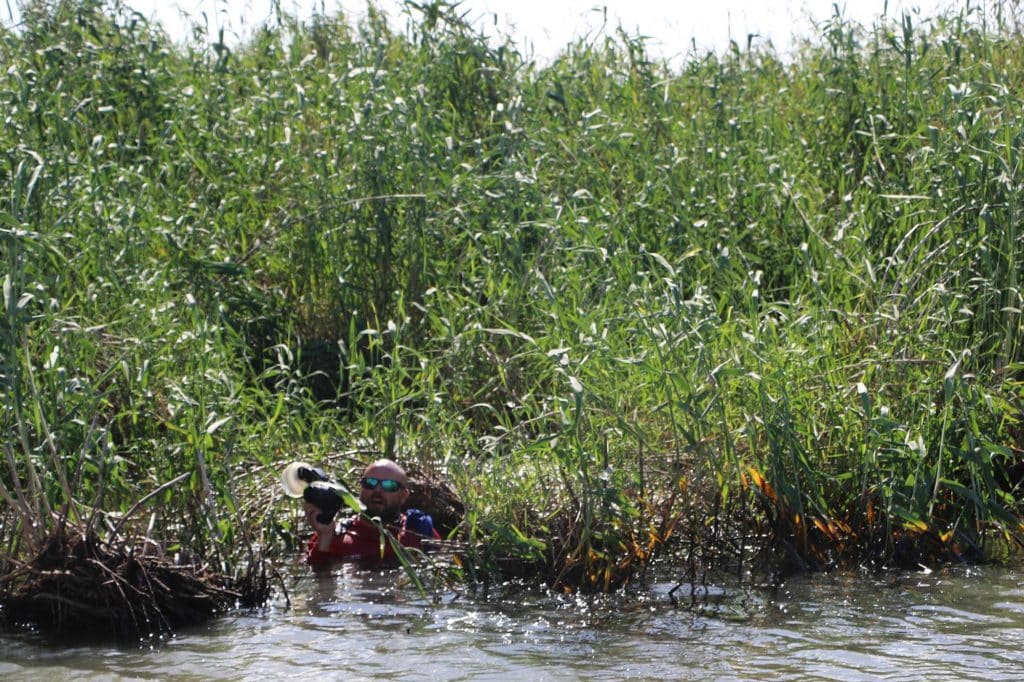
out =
column 386, row 468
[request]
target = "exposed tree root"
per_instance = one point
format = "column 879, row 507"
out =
column 79, row 583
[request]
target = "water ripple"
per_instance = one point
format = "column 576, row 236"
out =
column 957, row 624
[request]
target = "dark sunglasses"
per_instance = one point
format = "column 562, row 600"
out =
column 386, row 484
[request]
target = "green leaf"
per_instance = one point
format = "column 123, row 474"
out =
column 8, row 219
column 217, row 424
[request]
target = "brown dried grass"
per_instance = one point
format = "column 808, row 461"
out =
column 78, row 583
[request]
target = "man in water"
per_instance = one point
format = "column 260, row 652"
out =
column 383, row 490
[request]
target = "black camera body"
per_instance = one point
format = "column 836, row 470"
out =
column 311, row 474
column 315, row 487
column 324, row 497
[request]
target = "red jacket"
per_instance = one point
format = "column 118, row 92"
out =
column 359, row 540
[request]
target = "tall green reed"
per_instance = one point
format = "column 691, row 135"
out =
column 603, row 296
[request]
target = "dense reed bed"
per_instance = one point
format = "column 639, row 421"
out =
column 747, row 314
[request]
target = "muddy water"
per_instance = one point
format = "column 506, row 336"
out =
column 953, row 624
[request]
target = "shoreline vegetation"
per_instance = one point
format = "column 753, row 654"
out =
column 744, row 316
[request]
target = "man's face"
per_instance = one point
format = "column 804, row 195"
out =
column 378, row 502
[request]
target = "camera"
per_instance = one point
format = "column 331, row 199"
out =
column 314, row 486
column 309, row 474
column 324, row 496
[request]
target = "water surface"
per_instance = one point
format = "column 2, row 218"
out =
column 953, row 624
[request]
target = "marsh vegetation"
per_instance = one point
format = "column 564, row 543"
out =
column 750, row 314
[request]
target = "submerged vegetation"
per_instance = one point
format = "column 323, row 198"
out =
column 750, row 313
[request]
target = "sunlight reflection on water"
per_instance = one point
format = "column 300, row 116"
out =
column 952, row 624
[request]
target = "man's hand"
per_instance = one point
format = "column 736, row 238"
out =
column 324, row 531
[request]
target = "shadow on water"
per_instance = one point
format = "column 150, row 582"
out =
column 957, row 623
